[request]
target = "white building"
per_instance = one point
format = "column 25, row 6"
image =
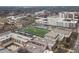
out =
column 9, row 37
column 69, row 15
column 59, row 22
column 42, row 13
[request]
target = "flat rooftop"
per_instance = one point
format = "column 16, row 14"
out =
column 34, row 48
column 7, row 35
column 50, row 42
column 63, row 31
column 40, row 40
column 52, row 34
column 20, row 37
column 13, row 48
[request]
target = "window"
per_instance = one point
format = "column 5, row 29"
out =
column 70, row 16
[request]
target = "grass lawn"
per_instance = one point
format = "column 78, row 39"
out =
column 36, row 31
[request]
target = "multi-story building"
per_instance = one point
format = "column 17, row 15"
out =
column 13, row 41
column 58, row 22
column 53, row 39
column 43, row 13
column 69, row 15
column 9, row 38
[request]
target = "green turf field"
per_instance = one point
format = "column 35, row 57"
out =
column 36, row 31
